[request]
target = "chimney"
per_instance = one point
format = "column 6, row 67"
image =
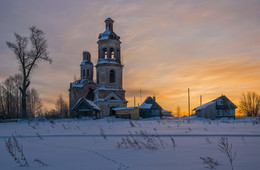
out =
column 154, row 98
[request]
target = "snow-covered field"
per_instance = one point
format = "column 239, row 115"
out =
column 110, row 143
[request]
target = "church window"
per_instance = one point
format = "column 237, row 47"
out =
column 83, row 73
column 105, row 52
column 112, row 52
column 112, row 76
column 87, row 72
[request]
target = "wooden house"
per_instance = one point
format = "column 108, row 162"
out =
column 218, row 108
column 150, row 108
column 85, row 107
column 127, row 113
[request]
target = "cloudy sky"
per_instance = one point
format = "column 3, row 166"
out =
column 209, row 46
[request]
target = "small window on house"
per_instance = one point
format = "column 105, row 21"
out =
column 112, row 98
column 112, row 76
column 112, row 52
column 87, row 72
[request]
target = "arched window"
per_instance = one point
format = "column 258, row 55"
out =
column 87, row 72
column 105, row 53
column 112, row 53
column 83, row 73
column 112, row 76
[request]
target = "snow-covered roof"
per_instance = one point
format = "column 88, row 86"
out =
column 166, row 111
column 124, row 108
column 108, row 19
column 86, row 62
column 205, row 105
column 145, row 106
column 148, row 103
column 109, row 89
column 107, row 61
column 105, row 35
column 92, row 104
column 80, row 83
column 222, row 97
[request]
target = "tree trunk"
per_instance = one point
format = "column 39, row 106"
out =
column 23, row 103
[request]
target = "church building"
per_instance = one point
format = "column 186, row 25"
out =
column 97, row 99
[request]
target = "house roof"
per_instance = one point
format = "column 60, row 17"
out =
column 213, row 102
column 145, row 106
column 204, row 105
column 88, row 102
column 124, row 108
column 149, row 103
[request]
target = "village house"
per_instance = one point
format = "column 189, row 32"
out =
column 149, row 108
column 218, row 108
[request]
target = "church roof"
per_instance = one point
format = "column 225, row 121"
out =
column 88, row 102
column 108, row 19
column 80, row 83
column 86, row 62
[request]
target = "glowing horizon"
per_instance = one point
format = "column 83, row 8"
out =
column 211, row 47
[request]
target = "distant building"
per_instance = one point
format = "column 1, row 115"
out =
column 127, row 113
column 107, row 92
column 218, row 108
column 150, row 108
column 166, row 113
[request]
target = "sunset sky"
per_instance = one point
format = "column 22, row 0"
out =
column 209, row 46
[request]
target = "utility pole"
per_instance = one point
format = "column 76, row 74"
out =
column 134, row 101
column 200, row 99
column 189, row 101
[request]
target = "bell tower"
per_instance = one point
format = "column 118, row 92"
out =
column 86, row 67
column 109, row 93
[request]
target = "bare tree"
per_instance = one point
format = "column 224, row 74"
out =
column 250, row 104
column 10, row 96
column 2, row 108
column 62, row 107
column 34, row 103
column 28, row 59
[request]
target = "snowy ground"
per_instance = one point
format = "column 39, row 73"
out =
column 78, row 144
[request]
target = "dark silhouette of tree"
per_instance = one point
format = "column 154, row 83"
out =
column 29, row 59
column 34, row 104
column 62, row 107
column 250, row 104
column 10, row 98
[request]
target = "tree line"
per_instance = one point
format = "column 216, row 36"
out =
column 11, row 100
